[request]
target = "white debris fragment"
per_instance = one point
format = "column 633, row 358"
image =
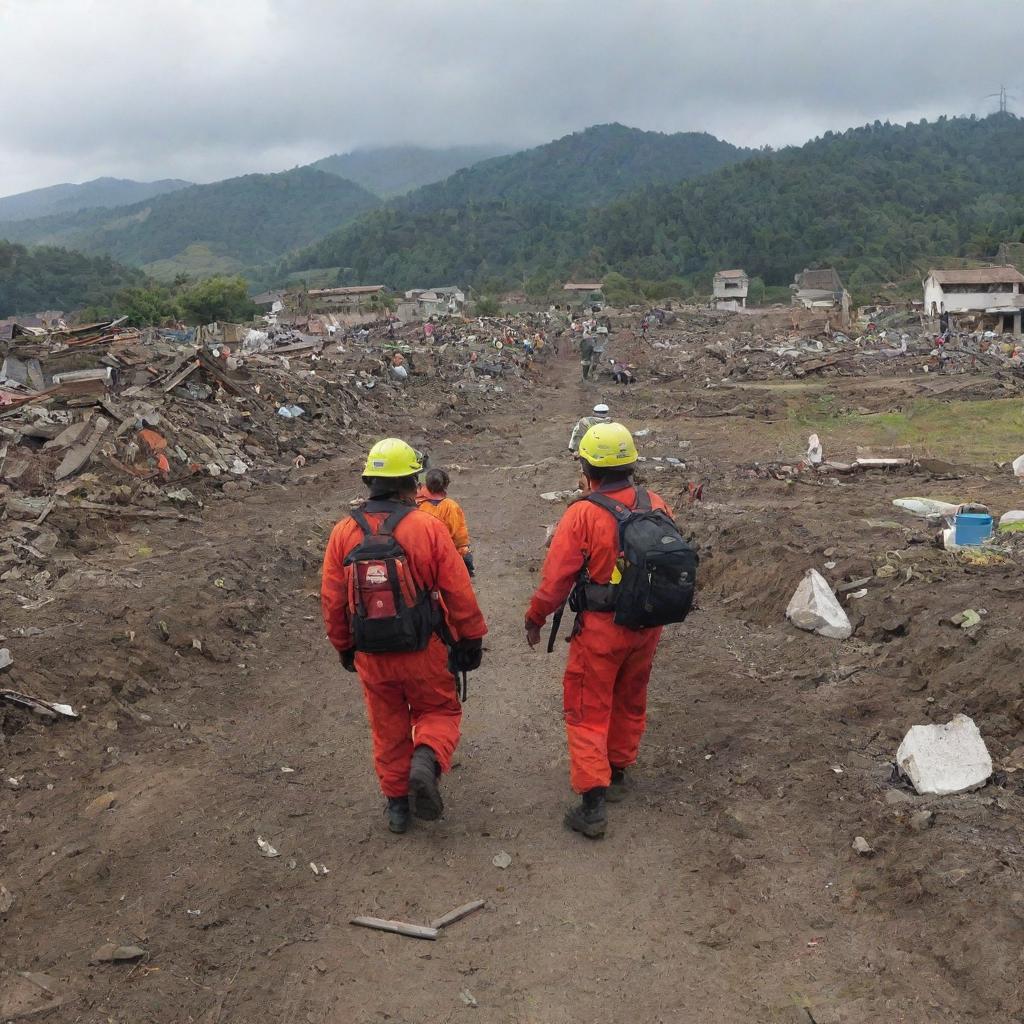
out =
column 926, row 508
column 945, row 759
column 502, row 860
column 265, row 848
column 1018, row 467
column 815, row 453
column 862, row 846
column 815, row 608
column 6, row 659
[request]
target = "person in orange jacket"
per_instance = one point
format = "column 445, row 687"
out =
column 390, row 574
column 433, row 499
column 605, row 682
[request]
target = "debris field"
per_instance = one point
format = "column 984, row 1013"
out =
column 196, row 836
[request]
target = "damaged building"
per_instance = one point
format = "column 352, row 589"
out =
column 822, row 289
column 989, row 296
column 730, row 289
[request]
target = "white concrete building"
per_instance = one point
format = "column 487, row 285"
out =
column 730, row 289
column 992, row 291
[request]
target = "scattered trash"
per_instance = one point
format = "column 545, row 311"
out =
column 814, row 608
column 291, row 412
column 265, row 848
column 287, row 771
column 468, row 998
column 111, row 952
column 927, row 508
column 413, row 931
column 967, row 619
column 43, row 708
column 815, row 455
column 560, row 495
column 457, row 914
column 321, row 870
column 863, row 847
column 502, row 860
column 971, row 529
column 856, row 595
column 1011, row 522
column 945, row 759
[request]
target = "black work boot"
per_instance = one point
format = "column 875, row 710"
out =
column 423, row 773
column 398, row 814
column 589, row 817
column 618, row 789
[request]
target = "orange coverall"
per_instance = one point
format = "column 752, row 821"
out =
column 410, row 697
column 606, row 675
column 449, row 511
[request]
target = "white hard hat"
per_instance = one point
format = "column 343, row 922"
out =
column 601, row 409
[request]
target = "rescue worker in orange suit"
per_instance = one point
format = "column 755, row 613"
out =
column 411, row 699
column 433, row 499
column 606, row 675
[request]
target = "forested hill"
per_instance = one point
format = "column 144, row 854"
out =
column 47, row 278
column 395, row 170
column 67, row 198
column 878, row 202
column 241, row 220
column 587, row 168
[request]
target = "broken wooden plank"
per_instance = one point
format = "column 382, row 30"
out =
column 457, row 914
column 78, row 456
column 126, row 510
column 413, row 931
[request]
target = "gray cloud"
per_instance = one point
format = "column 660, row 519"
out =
column 204, row 90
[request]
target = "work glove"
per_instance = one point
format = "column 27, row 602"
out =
column 468, row 559
column 532, row 633
column 348, row 659
column 466, row 655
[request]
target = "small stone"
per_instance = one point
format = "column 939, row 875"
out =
column 897, row 796
column 110, row 952
column 468, row 998
column 104, row 802
column 922, row 821
column 6, row 899
column 6, row 660
column 863, row 847
column 502, row 860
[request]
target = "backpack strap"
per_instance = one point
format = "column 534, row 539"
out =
column 396, row 512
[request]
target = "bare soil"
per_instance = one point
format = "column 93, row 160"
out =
column 727, row 889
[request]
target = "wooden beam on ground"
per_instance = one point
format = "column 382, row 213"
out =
column 413, row 931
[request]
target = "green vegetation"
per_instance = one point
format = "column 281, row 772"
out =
column 487, row 305
column 395, row 170
column 201, row 302
column 879, row 203
column 245, row 220
column 32, row 280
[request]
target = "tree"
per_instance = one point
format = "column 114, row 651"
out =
column 217, row 298
column 146, row 306
column 487, row 305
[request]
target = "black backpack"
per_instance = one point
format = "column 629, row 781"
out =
column 388, row 612
column 658, row 567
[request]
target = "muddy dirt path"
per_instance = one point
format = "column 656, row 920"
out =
column 726, row 889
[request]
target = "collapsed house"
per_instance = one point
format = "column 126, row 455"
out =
column 423, row 303
column 822, row 289
column 350, row 299
column 730, row 289
column 990, row 296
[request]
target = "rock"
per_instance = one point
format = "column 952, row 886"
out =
column 112, row 953
column 863, row 847
column 815, row 608
column 6, row 660
column 922, row 821
column 104, row 802
column 502, row 860
column 945, row 759
column 6, row 899
column 897, row 796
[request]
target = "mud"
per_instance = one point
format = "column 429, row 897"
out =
column 727, row 889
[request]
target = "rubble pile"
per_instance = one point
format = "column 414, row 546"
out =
column 108, row 421
column 727, row 347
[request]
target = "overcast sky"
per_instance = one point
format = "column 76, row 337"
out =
column 206, row 89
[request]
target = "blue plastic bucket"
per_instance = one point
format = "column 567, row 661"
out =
column 972, row 528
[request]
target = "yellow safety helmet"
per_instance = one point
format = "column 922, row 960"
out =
column 392, row 457
column 608, row 445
